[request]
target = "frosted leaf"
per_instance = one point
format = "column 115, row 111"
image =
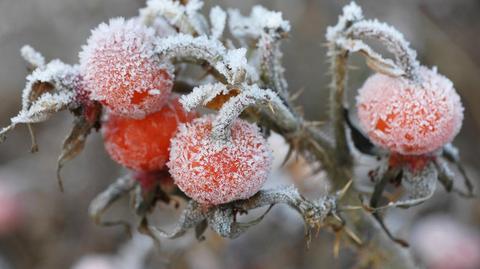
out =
column 404, row 117
column 249, row 95
column 121, row 70
column 203, row 94
column 218, row 19
column 33, row 57
column 185, row 17
column 213, row 175
column 351, row 12
column 259, row 21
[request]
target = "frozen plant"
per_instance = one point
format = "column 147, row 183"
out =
column 216, row 164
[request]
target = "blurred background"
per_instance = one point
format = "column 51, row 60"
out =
column 40, row 227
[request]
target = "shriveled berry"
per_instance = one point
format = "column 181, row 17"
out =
column 407, row 117
column 121, row 70
column 143, row 144
column 215, row 174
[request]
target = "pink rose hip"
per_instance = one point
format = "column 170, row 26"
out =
column 213, row 174
column 121, row 70
column 409, row 118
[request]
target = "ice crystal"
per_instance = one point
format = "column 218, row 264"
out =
column 409, row 118
column 121, row 70
column 214, row 175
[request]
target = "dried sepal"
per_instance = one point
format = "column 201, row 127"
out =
column 48, row 90
column 229, row 66
column 251, row 95
column 374, row 60
column 260, row 20
column 121, row 187
column 218, row 20
column 222, row 218
column 34, row 58
column 75, row 141
column 262, row 32
column 394, row 41
column 185, row 17
column 202, row 95
column 451, row 154
column 419, row 185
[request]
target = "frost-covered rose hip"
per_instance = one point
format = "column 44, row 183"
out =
column 213, row 174
column 121, row 70
column 409, row 118
column 143, row 144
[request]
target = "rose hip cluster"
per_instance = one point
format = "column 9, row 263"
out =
column 121, row 70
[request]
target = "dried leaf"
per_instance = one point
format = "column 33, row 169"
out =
column 75, row 141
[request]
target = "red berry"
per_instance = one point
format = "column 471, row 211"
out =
column 214, row 174
column 121, row 70
column 143, row 144
column 409, row 118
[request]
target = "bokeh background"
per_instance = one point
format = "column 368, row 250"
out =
column 45, row 228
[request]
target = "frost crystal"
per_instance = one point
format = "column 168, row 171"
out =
column 121, row 69
column 409, row 118
column 213, row 175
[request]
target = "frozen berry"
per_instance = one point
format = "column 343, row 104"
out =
column 143, row 144
column 410, row 118
column 121, row 70
column 213, row 174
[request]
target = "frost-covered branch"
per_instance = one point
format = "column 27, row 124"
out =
column 222, row 219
